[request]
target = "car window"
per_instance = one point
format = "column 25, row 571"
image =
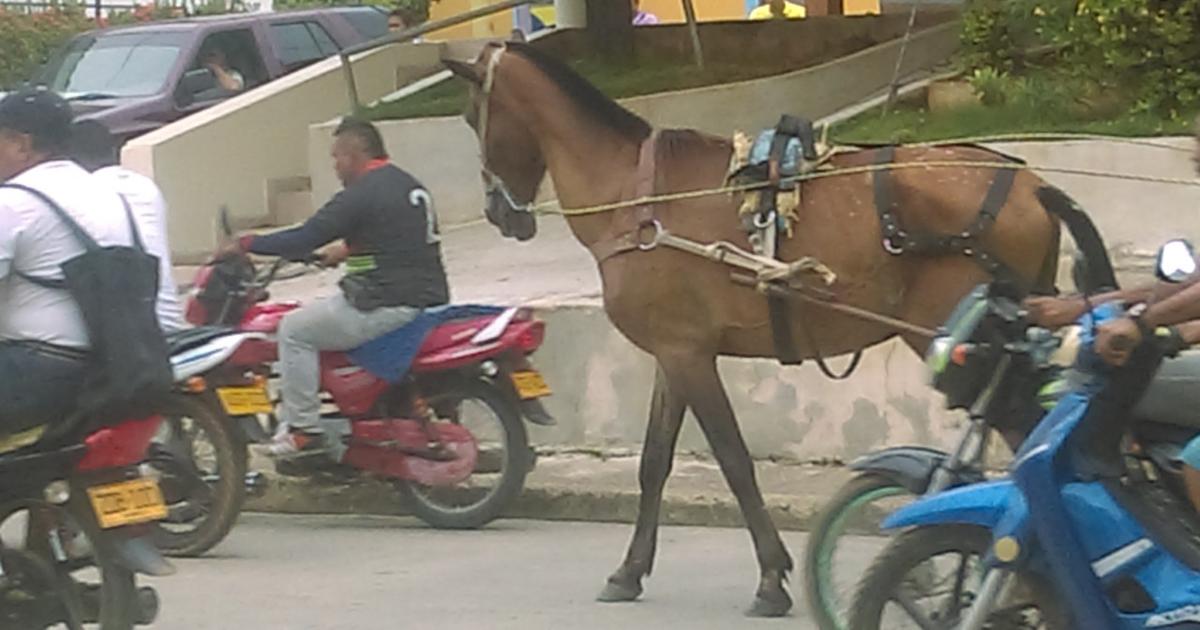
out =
column 114, row 64
column 236, row 53
column 324, row 41
column 370, row 23
column 301, row 43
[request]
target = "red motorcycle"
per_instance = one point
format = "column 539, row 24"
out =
column 449, row 432
column 83, row 511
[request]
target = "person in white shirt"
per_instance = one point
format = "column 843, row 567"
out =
column 94, row 148
column 43, row 339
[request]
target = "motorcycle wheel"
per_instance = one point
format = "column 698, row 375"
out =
column 888, row 594
column 856, row 508
column 471, row 504
column 200, row 517
column 92, row 592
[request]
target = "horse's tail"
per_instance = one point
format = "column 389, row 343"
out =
column 1093, row 270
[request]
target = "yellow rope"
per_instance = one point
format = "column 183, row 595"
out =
column 549, row 207
column 1018, row 137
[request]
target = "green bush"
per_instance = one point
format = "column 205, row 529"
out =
column 1146, row 50
column 26, row 41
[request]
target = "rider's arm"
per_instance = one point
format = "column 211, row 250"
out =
column 1181, row 306
column 332, row 222
column 1054, row 312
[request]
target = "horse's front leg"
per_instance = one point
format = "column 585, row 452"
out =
column 666, row 416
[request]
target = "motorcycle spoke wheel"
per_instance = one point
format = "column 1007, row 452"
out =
column 504, row 460
column 928, row 579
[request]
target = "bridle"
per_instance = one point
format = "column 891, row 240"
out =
column 494, row 184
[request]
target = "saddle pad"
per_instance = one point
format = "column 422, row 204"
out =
column 389, row 357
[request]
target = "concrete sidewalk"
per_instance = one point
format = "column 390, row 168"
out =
column 588, row 487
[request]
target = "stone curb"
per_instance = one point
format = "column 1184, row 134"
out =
column 372, row 497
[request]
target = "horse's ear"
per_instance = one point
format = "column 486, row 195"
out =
column 463, row 71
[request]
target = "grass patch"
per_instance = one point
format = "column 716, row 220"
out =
column 616, row 80
column 914, row 123
column 1039, row 104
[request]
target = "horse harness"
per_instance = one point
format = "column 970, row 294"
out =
column 647, row 232
column 771, row 276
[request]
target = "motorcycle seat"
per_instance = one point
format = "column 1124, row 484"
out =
column 1173, row 396
column 183, row 340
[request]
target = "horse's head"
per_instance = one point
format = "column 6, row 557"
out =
column 513, row 165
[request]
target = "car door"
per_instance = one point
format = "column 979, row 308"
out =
column 300, row 42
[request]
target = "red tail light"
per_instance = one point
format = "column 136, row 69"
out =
column 533, row 336
column 119, row 446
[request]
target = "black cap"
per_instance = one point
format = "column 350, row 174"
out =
column 41, row 113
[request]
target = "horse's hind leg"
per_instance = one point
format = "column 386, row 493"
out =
column 706, row 396
column 666, row 416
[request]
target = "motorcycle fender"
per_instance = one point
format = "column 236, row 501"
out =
column 910, row 466
column 138, row 554
column 984, row 504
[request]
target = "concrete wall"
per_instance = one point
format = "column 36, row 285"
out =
column 602, row 394
column 235, row 152
column 443, row 153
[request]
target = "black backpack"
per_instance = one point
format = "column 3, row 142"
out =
column 129, row 367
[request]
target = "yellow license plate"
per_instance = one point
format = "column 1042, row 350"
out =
column 128, row 503
column 245, row 401
column 530, row 384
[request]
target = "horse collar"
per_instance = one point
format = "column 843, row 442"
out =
column 647, row 230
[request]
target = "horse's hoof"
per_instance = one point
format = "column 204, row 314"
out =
column 775, row 604
column 619, row 592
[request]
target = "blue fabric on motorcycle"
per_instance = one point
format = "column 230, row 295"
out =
column 793, row 154
column 390, row 356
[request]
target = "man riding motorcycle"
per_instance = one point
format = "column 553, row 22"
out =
column 43, row 339
column 394, row 269
column 1177, row 314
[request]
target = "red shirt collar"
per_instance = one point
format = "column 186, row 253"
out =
column 376, row 164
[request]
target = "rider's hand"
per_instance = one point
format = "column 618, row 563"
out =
column 1116, row 340
column 1054, row 312
column 333, row 254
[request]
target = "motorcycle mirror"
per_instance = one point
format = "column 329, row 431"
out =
column 1176, row 261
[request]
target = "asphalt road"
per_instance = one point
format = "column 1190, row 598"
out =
column 338, row 572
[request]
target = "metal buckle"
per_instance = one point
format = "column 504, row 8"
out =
column 764, row 221
column 655, row 236
column 891, row 248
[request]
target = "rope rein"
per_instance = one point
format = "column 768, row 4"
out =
column 551, row 206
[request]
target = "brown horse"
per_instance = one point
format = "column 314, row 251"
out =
column 534, row 115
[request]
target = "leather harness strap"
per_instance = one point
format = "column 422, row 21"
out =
column 644, row 185
column 898, row 241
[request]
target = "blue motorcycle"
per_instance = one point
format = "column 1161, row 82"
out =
column 1090, row 530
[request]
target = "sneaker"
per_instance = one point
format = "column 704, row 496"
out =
column 293, row 444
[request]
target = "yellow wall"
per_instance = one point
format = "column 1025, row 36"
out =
column 500, row 25
column 707, row 10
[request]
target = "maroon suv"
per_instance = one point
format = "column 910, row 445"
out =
column 138, row 78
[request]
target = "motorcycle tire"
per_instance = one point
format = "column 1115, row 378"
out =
column 515, row 466
column 228, row 492
column 911, row 549
column 111, row 604
column 828, row 602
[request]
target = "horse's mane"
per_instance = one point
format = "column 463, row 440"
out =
column 590, row 99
